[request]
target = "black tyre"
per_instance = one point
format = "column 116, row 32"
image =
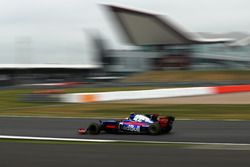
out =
column 171, row 120
column 94, row 129
column 168, row 129
column 154, row 129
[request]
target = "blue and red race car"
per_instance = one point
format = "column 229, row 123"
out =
column 153, row 124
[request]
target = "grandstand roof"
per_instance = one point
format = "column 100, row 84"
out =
column 145, row 28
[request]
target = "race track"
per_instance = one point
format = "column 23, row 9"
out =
column 184, row 131
column 122, row 155
column 99, row 155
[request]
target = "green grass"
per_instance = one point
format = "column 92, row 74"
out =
column 189, row 76
column 13, row 98
column 118, row 110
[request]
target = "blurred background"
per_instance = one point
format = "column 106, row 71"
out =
column 59, row 41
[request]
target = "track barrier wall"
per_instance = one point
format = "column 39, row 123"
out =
column 151, row 94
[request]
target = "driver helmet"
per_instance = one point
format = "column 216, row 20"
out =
column 132, row 115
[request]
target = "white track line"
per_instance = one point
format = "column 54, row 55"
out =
column 118, row 141
column 54, row 139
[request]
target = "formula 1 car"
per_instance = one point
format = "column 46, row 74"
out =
column 155, row 125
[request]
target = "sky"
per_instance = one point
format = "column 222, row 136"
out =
column 57, row 31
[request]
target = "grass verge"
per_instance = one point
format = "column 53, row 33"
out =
column 13, row 98
column 118, row 110
column 190, row 76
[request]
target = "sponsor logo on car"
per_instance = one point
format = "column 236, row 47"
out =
column 132, row 128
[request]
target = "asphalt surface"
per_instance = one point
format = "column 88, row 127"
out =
column 184, row 131
column 65, row 155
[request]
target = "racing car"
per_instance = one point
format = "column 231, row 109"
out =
column 153, row 124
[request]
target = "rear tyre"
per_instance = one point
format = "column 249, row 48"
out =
column 168, row 129
column 154, row 129
column 171, row 119
column 94, row 129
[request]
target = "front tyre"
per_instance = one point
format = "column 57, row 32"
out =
column 94, row 129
